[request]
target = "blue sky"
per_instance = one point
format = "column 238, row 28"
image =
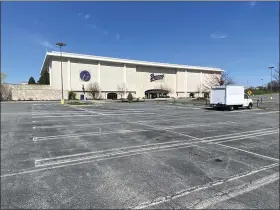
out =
column 240, row 37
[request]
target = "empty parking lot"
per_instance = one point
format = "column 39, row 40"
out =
column 140, row 155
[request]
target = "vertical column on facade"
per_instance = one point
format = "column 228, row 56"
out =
column 50, row 72
column 69, row 74
column 186, row 83
column 98, row 79
column 177, row 83
column 200, row 83
column 124, row 79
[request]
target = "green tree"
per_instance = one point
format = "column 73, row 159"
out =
column 44, row 78
column 130, row 97
column 31, row 81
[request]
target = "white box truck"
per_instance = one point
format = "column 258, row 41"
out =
column 229, row 97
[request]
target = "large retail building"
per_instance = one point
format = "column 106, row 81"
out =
column 117, row 77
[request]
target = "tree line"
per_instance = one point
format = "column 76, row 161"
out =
column 44, row 79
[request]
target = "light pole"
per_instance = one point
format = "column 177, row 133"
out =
column 271, row 67
column 61, row 44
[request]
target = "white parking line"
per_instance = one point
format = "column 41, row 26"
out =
column 155, row 147
column 246, row 151
column 239, row 190
column 83, row 162
column 63, row 116
column 121, row 114
column 200, row 125
column 74, row 125
column 185, row 192
column 44, row 138
column 268, row 112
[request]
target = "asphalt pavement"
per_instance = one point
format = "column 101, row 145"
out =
column 139, row 155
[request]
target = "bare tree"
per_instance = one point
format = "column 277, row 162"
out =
column 93, row 89
column 198, row 90
column 164, row 88
column 216, row 80
column 6, row 92
column 273, row 85
column 122, row 89
column 3, row 77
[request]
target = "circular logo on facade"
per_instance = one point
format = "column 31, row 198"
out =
column 85, row 75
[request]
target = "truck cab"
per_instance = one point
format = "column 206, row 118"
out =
column 248, row 102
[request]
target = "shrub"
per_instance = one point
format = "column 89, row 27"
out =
column 71, row 95
column 192, row 95
column 130, row 97
column 206, row 95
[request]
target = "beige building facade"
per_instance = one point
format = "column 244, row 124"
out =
column 141, row 78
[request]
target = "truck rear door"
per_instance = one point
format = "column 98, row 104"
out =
column 217, row 96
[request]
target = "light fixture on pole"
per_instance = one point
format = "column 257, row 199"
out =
column 271, row 67
column 61, row 44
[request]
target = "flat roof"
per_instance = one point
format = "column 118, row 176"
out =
column 123, row 61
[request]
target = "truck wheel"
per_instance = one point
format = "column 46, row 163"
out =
column 250, row 106
column 230, row 108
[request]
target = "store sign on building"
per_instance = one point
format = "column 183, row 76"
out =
column 85, row 76
column 156, row 77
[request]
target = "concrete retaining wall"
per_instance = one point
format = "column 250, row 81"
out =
column 36, row 92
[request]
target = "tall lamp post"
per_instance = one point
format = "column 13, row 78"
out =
column 61, row 44
column 271, row 67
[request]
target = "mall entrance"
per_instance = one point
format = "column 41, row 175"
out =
column 156, row 93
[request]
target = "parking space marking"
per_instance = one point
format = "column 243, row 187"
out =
column 254, row 135
column 182, row 107
column 56, row 113
column 121, row 114
column 74, row 125
column 63, row 116
column 199, row 125
column 140, row 149
column 245, row 132
column 185, row 192
column 239, row 190
column 268, row 112
column 89, row 161
column 44, row 138
column 162, row 128
column 252, row 153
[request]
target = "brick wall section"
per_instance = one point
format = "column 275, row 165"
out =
column 36, row 92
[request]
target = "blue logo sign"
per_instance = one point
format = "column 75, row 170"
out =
column 85, row 75
column 156, row 77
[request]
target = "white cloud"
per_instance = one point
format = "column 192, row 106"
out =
column 80, row 13
column 87, row 16
column 48, row 45
column 118, row 36
column 218, row 36
column 252, row 3
column 93, row 26
column 105, row 32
